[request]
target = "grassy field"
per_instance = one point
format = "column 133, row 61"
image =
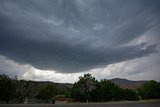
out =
column 146, row 103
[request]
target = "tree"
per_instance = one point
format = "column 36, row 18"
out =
column 110, row 91
column 48, row 92
column 87, row 88
column 7, row 88
column 82, row 90
column 21, row 90
column 150, row 90
column 130, row 95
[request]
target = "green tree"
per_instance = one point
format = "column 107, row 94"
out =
column 82, row 90
column 7, row 88
column 48, row 92
column 110, row 91
column 150, row 90
column 21, row 90
column 130, row 95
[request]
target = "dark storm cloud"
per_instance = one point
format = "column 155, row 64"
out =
column 75, row 35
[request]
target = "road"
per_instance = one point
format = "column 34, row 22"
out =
column 124, row 104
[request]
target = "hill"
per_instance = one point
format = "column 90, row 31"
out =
column 124, row 83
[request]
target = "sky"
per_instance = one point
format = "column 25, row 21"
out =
column 60, row 40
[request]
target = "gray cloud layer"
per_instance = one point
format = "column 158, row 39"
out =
column 75, row 35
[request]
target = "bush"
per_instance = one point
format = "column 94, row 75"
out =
column 150, row 90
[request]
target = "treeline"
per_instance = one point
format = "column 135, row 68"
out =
column 89, row 89
column 13, row 90
column 86, row 89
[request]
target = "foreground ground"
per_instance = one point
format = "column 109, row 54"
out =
column 149, row 103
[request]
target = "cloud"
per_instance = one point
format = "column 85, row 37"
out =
column 11, row 68
column 74, row 36
column 28, row 72
column 145, row 68
column 98, row 27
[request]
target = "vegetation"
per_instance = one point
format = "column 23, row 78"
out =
column 20, row 90
column 109, row 91
column 89, row 89
column 150, row 90
column 48, row 92
column 7, row 88
column 86, row 89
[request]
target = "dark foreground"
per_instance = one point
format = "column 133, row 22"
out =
column 114, row 104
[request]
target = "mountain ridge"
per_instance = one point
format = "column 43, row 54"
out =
column 121, row 82
column 125, row 83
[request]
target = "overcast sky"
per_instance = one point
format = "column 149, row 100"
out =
column 60, row 40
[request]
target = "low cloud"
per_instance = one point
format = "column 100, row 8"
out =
column 145, row 68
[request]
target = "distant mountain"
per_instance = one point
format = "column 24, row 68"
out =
column 64, row 85
column 124, row 83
